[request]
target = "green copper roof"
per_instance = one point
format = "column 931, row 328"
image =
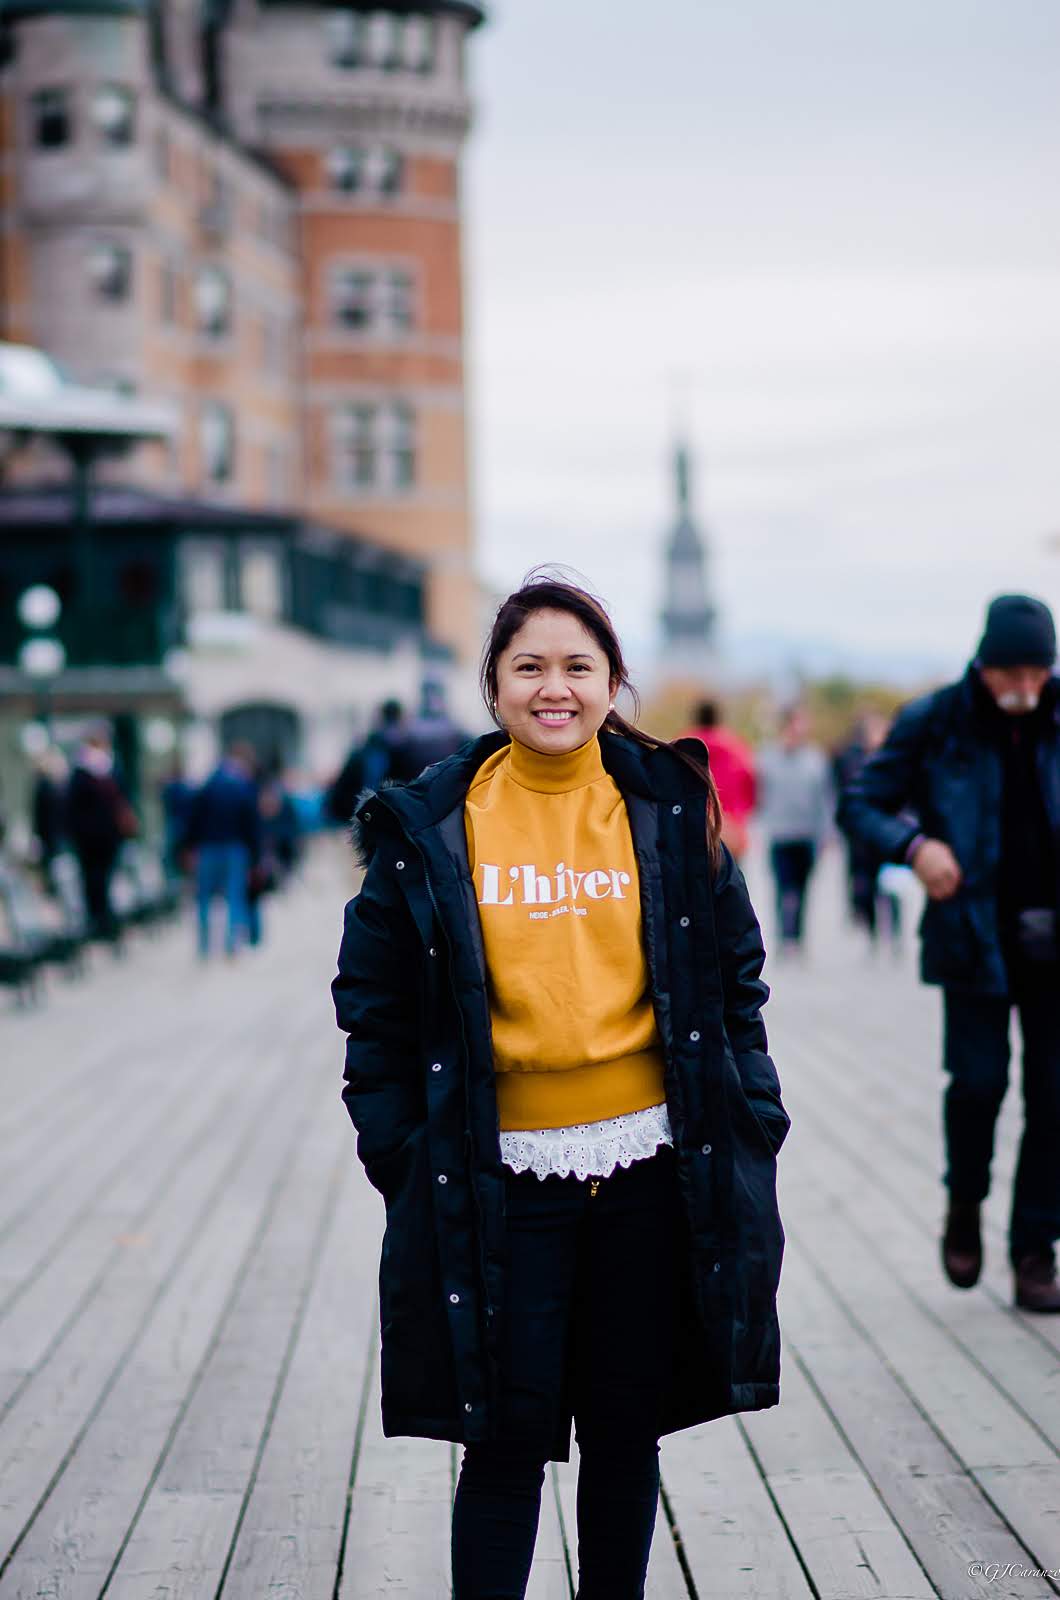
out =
column 12, row 10
column 471, row 10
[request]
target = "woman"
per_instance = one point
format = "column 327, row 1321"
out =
column 558, row 1073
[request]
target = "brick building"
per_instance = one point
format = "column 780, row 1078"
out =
column 251, row 209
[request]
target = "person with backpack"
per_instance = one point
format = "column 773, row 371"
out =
column 558, row 1072
column 966, row 789
column 369, row 764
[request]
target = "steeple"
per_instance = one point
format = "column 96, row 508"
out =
column 688, row 617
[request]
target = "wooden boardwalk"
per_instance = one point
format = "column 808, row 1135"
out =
column 188, row 1383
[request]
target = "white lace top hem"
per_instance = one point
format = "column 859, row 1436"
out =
column 588, row 1149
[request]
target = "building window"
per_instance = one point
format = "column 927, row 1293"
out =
column 52, row 119
column 114, row 113
column 419, row 44
column 217, row 441
column 399, row 311
column 213, row 301
column 376, row 446
column 261, row 581
column 383, row 170
column 400, row 425
column 203, row 579
column 352, row 297
column 343, row 33
column 215, row 213
column 110, row 269
column 383, row 43
column 377, row 170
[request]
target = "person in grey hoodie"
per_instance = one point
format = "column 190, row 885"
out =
column 795, row 806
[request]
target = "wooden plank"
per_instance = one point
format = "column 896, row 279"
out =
column 1010, row 1350
column 398, row 1538
column 734, row 1540
column 845, row 1535
column 211, row 1457
column 56, row 1261
column 291, row 1534
column 86, row 1436
column 945, row 1516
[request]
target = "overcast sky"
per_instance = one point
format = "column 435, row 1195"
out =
column 835, row 229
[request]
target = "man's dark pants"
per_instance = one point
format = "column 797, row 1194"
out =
column 976, row 1057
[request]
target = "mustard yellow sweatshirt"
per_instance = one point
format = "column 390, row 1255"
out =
column 574, row 1034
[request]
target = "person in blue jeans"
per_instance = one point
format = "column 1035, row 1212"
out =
column 224, row 830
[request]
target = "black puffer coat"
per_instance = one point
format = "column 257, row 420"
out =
column 411, row 994
column 940, row 774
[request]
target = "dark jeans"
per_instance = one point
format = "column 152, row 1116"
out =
column 590, row 1324
column 792, row 861
column 977, row 1061
column 97, row 869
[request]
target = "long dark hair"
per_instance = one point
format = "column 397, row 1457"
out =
column 542, row 590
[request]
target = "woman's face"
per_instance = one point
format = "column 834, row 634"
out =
column 553, row 684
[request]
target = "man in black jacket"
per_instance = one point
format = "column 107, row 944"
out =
column 967, row 790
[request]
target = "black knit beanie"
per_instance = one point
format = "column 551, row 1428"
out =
column 1019, row 633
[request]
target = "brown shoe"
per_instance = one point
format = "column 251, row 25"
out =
column 962, row 1244
column 1036, row 1285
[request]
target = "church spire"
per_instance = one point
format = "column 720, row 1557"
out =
column 688, row 617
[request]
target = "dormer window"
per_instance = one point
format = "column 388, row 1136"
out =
column 114, row 113
column 418, row 44
column 52, row 119
column 110, row 269
column 343, row 31
column 384, row 40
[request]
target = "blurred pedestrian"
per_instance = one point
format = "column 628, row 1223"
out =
column 368, row 765
column 224, row 830
column 732, row 766
column 98, row 820
column 795, row 801
column 279, row 848
column 425, row 739
column 979, row 764
column 48, row 810
column 176, row 796
column 611, row 1251
column 870, row 900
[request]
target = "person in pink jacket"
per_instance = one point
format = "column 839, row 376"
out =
column 732, row 764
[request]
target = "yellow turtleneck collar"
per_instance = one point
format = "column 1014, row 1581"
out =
column 555, row 774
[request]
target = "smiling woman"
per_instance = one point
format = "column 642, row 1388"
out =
column 581, row 1101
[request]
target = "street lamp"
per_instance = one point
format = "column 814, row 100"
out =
column 41, row 657
column 39, row 607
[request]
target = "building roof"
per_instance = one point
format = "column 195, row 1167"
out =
column 471, row 10
column 11, row 10
column 36, row 398
column 46, row 505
